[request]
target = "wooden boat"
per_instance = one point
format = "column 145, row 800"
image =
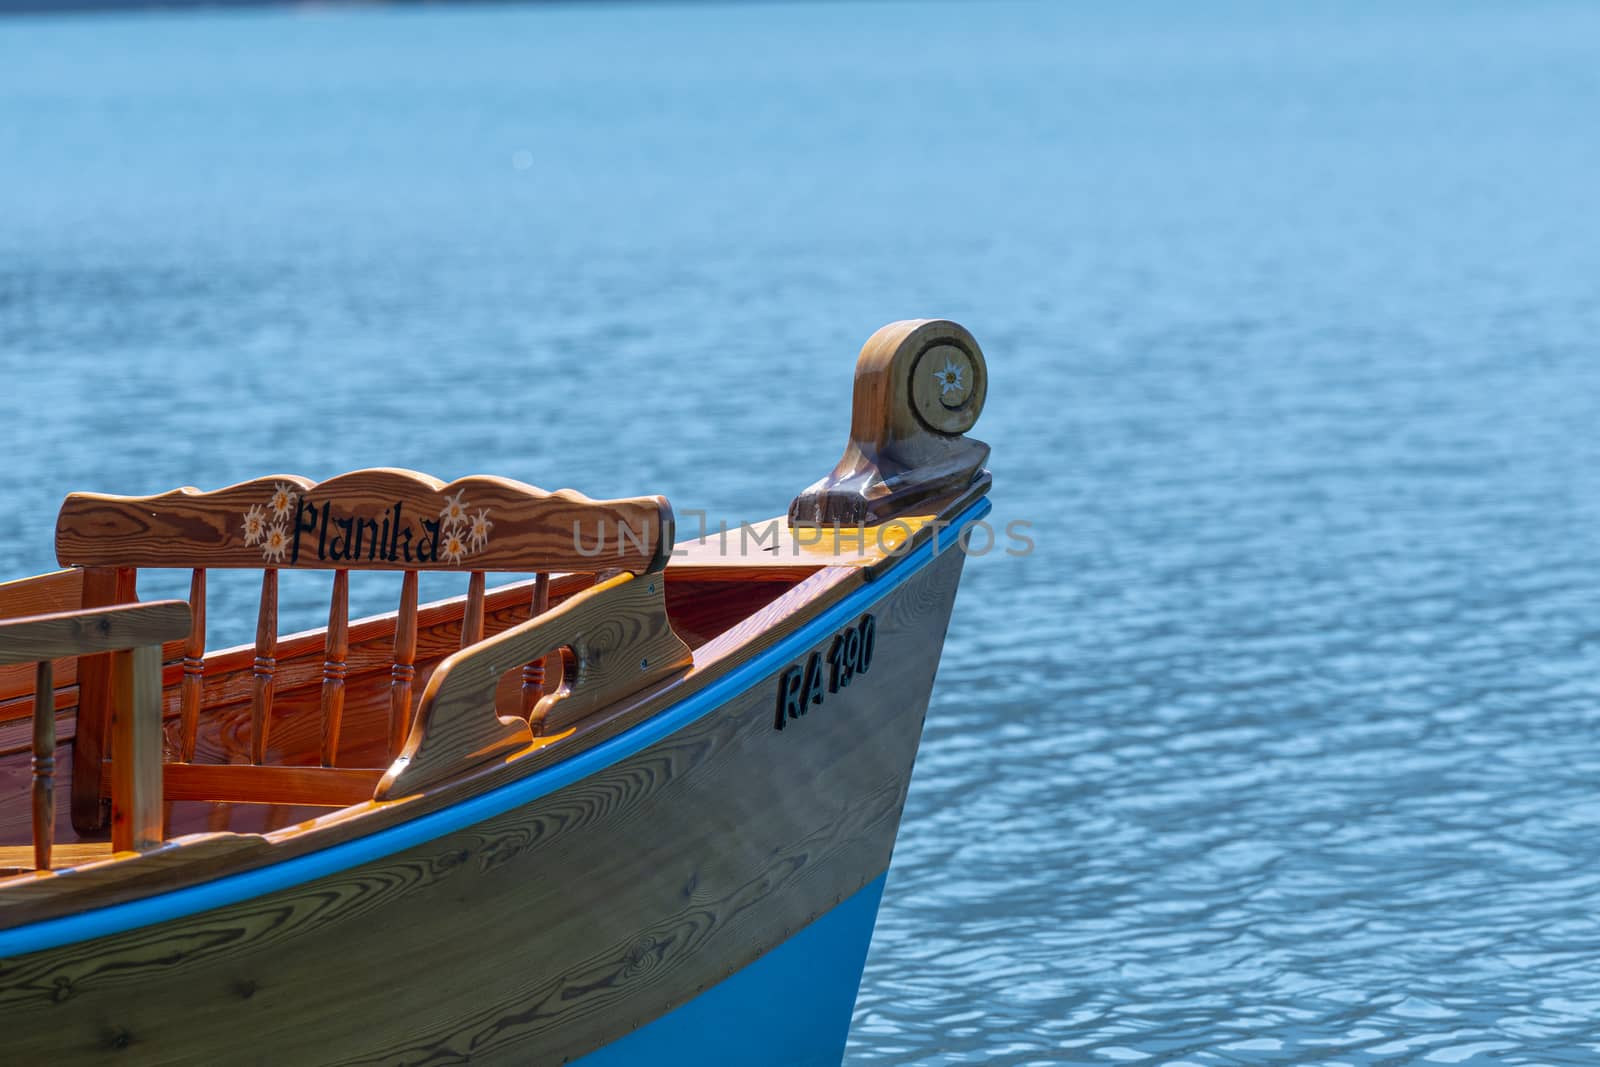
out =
column 637, row 807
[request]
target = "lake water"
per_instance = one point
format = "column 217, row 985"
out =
column 1282, row 748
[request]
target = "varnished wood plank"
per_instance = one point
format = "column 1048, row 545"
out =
column 44, row 765
column 378, row 519
column 136, row 748
column 265, row 666
column 336, row 652
column 39, row 595
column 205, row 855
column 16, row 732
column 16, row 680
column 619, row 640
column 194, row 666
column 15, row 858
column 89, row 630
column 42, row 594
column 241, row 783
column 90, row 744
column 700, row 610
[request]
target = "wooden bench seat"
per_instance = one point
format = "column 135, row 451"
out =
column 16, row 859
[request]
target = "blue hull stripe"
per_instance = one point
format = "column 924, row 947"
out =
column 790, row 1008
column 233, row 888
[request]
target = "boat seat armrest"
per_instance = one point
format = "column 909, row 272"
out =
column 615, row 639
column 61, row 634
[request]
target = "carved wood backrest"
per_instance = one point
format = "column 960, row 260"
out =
column 378, row 519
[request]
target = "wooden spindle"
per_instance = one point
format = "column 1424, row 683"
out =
column 266, row 665
column 192, row 692
column 533, row 673
column 335, row 650
column 44, row 763
column 404, row 670
column 472, row 620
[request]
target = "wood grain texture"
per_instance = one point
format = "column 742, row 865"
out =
column 18, row 859
column 136, row 746
column 88, row 630
column 91, row 815
column 16, row 731
column 619, row 642
column 906, row 445
column 378, row 519
column 16, row 688
column 42, row 594
column 560, row 926
column 96, row 864
column 237, row 783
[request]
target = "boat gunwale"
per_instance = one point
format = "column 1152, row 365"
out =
column 870, row 586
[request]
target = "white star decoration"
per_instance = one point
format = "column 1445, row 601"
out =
column 949, row 377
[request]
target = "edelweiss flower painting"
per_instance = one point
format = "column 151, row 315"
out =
column 275, row 545
column 255, row 525
column 478, row 534
column 462, row 533
column 949, row 377
column 454, row 510
column 453, row 545
column 283, row 498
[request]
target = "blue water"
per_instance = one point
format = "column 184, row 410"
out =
column 1282, row 748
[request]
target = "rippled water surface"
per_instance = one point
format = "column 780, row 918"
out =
column 1282, row 748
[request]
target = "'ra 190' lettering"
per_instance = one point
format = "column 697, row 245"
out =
column 801, row 686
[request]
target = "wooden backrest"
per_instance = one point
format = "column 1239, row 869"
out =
column 378, row 519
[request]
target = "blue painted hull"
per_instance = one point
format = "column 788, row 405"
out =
column 789, row 1008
